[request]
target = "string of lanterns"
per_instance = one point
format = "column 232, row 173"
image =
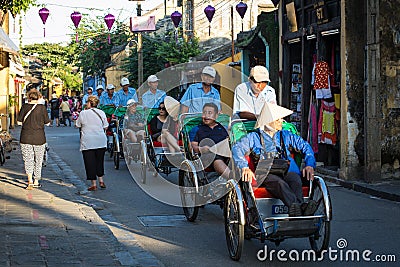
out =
column 209, row 11
column 109, row 19
column 76, row 19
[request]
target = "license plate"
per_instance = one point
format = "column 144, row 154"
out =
column 279, row 209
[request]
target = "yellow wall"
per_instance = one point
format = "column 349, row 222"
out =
column 229, row 78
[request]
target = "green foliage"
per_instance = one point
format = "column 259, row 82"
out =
column 157, row 52
column 93, row 47
column 57, row 61
column 16, row 6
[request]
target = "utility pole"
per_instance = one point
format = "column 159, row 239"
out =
column 139, row 49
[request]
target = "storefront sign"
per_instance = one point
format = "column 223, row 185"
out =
column 321, row 12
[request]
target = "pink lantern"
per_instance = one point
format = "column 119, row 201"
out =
column 44, row 14
column 176, row 18
column 76, row 18
column 209, row 11
column 109, row 19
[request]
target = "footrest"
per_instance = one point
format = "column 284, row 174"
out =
column 301, row 226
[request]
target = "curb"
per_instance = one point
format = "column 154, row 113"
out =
column 331, row 176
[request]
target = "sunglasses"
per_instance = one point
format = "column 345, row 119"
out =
column 162, row 108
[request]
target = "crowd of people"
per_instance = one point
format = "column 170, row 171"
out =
column 253, row 100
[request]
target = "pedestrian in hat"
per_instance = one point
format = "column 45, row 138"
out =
column 200, row 93
column 154, row 96
column 250, row 96
column 269, row 141
column 125, row 93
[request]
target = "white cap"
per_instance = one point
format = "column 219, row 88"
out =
column 152, row 79
column 99, row 87
column 172, row 106
column 110, row 86
column 271, row 112
column 209, row 71
column 131, row 102
column 260, row 74
column 124, row 81
column 54, row 95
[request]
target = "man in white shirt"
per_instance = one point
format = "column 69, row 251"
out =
column 250, row 96
column 153, row 97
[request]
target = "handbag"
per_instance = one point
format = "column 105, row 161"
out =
column 280, row 166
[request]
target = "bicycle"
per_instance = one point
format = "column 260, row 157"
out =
column 4, row 137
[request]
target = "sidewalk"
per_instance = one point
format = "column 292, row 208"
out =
column 53, row 226
column 389, row 189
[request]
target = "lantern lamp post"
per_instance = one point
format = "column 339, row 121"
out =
column 209, row 11
column 241, row 8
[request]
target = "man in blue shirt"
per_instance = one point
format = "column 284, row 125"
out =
column 153, row 97
column 110, row 98
column 200, row 93
column 99, row 91
column 125, row 93
column 276, row 141
column 209, row 134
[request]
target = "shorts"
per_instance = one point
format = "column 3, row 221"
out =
column 55, row 114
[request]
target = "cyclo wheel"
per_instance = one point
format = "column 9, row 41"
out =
column 188, row 193
column 234, row 228
column 320, row 240
column 116, row 152
column 143, row 160
column 2, row 157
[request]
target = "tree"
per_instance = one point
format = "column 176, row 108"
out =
column 16, row 6
column 57, row 61
column 159, row 52
column 93, row 47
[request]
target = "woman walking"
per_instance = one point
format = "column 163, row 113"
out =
column 93, row 122
column 33, row 117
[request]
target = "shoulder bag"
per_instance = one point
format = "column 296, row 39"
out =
column 280, row 165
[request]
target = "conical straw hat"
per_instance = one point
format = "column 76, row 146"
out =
column 271, row 112
column 172, row 106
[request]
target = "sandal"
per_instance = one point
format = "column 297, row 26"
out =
column 92, row 188
column 37, row 185
column 29, row 187
column 102, row 185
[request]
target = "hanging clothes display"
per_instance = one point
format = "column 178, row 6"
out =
column 327, row 133
column 321, row 80
column 312, row 136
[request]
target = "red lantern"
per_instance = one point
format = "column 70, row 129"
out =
column 109, row 19
column 44, row 14
column 76, row 18
column 209, row 11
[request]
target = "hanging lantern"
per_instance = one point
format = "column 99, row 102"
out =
column 241, row 8
column 209, row 11
column 109, row 19
column 176, row 18
column 44, row 14
column 76, row 18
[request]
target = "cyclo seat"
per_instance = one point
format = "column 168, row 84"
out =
column 239, row 129
column 150, row 113
column 188, row 130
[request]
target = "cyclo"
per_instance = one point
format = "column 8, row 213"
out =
column 198, row 184
column 131, row 149
column 115, row 117
column 153, row 153
column 271, row 215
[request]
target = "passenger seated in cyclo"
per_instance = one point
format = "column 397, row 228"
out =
column 210, row 140
column 133, row 122
column 163, row 127
column 269, row 137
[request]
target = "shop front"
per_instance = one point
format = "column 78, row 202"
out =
column 311, row 73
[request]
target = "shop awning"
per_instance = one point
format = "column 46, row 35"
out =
column 6, row 44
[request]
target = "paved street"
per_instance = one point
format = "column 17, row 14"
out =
column 54, row 226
